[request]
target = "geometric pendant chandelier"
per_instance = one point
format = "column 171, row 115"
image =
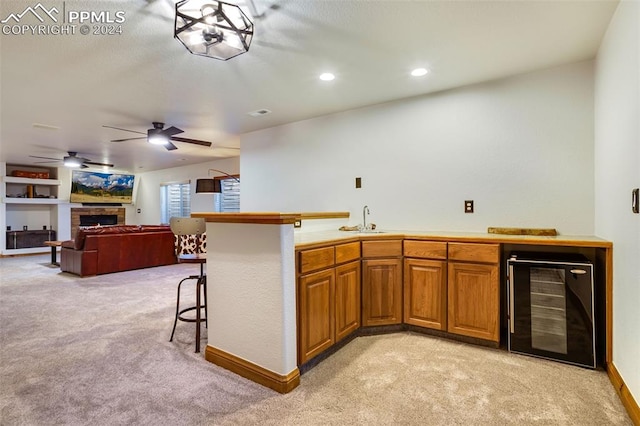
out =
column 213, row 28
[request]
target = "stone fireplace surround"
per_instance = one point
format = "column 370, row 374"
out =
column 77, row 212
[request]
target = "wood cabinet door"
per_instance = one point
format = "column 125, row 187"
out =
column 473, row 300
column 425, row 293
column 316, row 313
column 347, row 299
column 382, row 292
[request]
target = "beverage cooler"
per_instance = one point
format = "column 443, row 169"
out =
column 551, row 307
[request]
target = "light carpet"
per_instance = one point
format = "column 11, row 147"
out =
column 80, row 351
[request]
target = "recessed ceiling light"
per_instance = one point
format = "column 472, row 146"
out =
column 327, row 76
column 419, row 72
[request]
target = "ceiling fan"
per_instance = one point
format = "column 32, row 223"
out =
column 72, row 160
column 161, row 136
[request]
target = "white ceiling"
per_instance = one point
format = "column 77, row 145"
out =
column 80, row 82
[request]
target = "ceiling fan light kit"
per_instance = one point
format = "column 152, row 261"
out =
column 213, row 28
column 72, row 160
column 161, row 136
column 156, row 137
column 157, row 140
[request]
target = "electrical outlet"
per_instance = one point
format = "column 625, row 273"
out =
column 468, row 206
column 358, row 182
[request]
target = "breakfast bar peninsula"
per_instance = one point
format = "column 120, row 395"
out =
column 279, row 301
column 251, row 296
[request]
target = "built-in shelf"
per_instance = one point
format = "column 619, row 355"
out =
column 14, row 185
column 18, row 210
column 30, row 181
column 17, row 200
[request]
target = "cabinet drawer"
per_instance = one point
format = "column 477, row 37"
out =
column 310, row 260
column 471, row 252
column 347, row 252
column 425, row 249
column 385, row 248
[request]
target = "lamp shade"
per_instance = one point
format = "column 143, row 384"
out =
column 204, row 186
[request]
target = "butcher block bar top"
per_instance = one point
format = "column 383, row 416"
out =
column 270, row 218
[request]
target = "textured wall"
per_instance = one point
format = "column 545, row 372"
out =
column 251, row 293
column 521, row 147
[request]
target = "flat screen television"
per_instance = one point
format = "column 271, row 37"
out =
column 93, row 187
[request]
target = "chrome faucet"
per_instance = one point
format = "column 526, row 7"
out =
column 365, row 212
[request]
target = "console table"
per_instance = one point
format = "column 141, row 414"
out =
column 28, row 239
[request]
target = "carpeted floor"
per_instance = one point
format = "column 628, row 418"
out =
column 96, row 351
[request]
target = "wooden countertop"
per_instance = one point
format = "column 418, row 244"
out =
column 310, row 239
column 265, row 218
column 268, row 217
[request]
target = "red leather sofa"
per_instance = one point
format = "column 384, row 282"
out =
column 106, row 249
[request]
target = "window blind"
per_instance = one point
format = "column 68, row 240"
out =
column 175, row 200
column 229, row 199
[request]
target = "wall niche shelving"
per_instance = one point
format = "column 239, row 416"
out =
column 27, row 202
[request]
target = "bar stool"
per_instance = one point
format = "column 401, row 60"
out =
column 191, row 228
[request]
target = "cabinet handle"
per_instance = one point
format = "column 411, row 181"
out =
column 511, row 304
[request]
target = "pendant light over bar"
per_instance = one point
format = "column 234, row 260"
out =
column 213, row 28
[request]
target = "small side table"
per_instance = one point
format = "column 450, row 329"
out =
column 54, row 251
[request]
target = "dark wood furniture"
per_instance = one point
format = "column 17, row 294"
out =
column 28, row 239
